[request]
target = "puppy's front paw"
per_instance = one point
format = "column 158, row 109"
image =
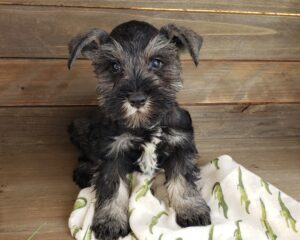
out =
column 109, row 228
column 198, row 215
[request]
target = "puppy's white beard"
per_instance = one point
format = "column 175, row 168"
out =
column 129, row 110
column 135, row 117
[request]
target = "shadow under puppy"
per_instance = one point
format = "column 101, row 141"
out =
column 138, row 125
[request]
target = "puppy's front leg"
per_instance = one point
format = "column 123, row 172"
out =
column 111, row 212
column 185, row 197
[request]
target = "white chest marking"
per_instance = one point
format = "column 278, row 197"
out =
column 148, row 159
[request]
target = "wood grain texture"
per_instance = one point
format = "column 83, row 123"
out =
column 39, row 190
column 39, row 125
column 275, row 6
column 226, row 36
column 36, row 158
column 48, row 82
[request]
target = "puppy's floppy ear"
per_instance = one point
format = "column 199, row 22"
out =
column 87, row 44
column 184, row 39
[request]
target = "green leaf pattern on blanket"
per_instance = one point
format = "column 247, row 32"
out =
column 265, row 185
column 211, row 232
column 160, row 236
column 80, row 203
column 130, row 181
column 264, row 220
column 132, row 236
column 75, row 230
column 142, row 191
column 155, row 219
column 284, row 212
column 237, row 232
column 130, row 210
column 88, row 234
column 244, row 196
column 217, row 191
column 215, row 162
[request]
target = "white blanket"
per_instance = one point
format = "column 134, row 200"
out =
column 243, row 206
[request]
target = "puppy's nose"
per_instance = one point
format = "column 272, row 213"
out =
column 137, row 99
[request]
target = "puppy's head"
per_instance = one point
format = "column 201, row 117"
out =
column 137, row 68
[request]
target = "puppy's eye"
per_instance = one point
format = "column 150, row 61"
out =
column 155, row 64
column 116, row 67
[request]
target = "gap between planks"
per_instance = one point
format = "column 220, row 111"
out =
column 244, row 106
column 182, row 60
column 191, row 10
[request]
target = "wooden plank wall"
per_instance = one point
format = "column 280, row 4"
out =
column 227, row 36
column 244, row 97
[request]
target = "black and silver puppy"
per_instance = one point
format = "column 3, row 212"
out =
column 138, row 125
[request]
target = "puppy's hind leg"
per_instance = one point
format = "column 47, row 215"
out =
column 79, row 131
column 82, row 174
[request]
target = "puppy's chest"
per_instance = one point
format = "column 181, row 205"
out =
column 147, row 147
column 149, row 156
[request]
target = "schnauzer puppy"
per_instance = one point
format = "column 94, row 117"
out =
column 138, row 125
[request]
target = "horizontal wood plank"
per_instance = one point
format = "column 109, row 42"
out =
column 43, row 32
column 39, row 125
column 36, row 158
column 244, row 6
column 48, row 82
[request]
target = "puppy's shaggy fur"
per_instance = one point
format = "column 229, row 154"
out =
column 138, row 125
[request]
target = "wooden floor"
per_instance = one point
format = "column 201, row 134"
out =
column 244, row 97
